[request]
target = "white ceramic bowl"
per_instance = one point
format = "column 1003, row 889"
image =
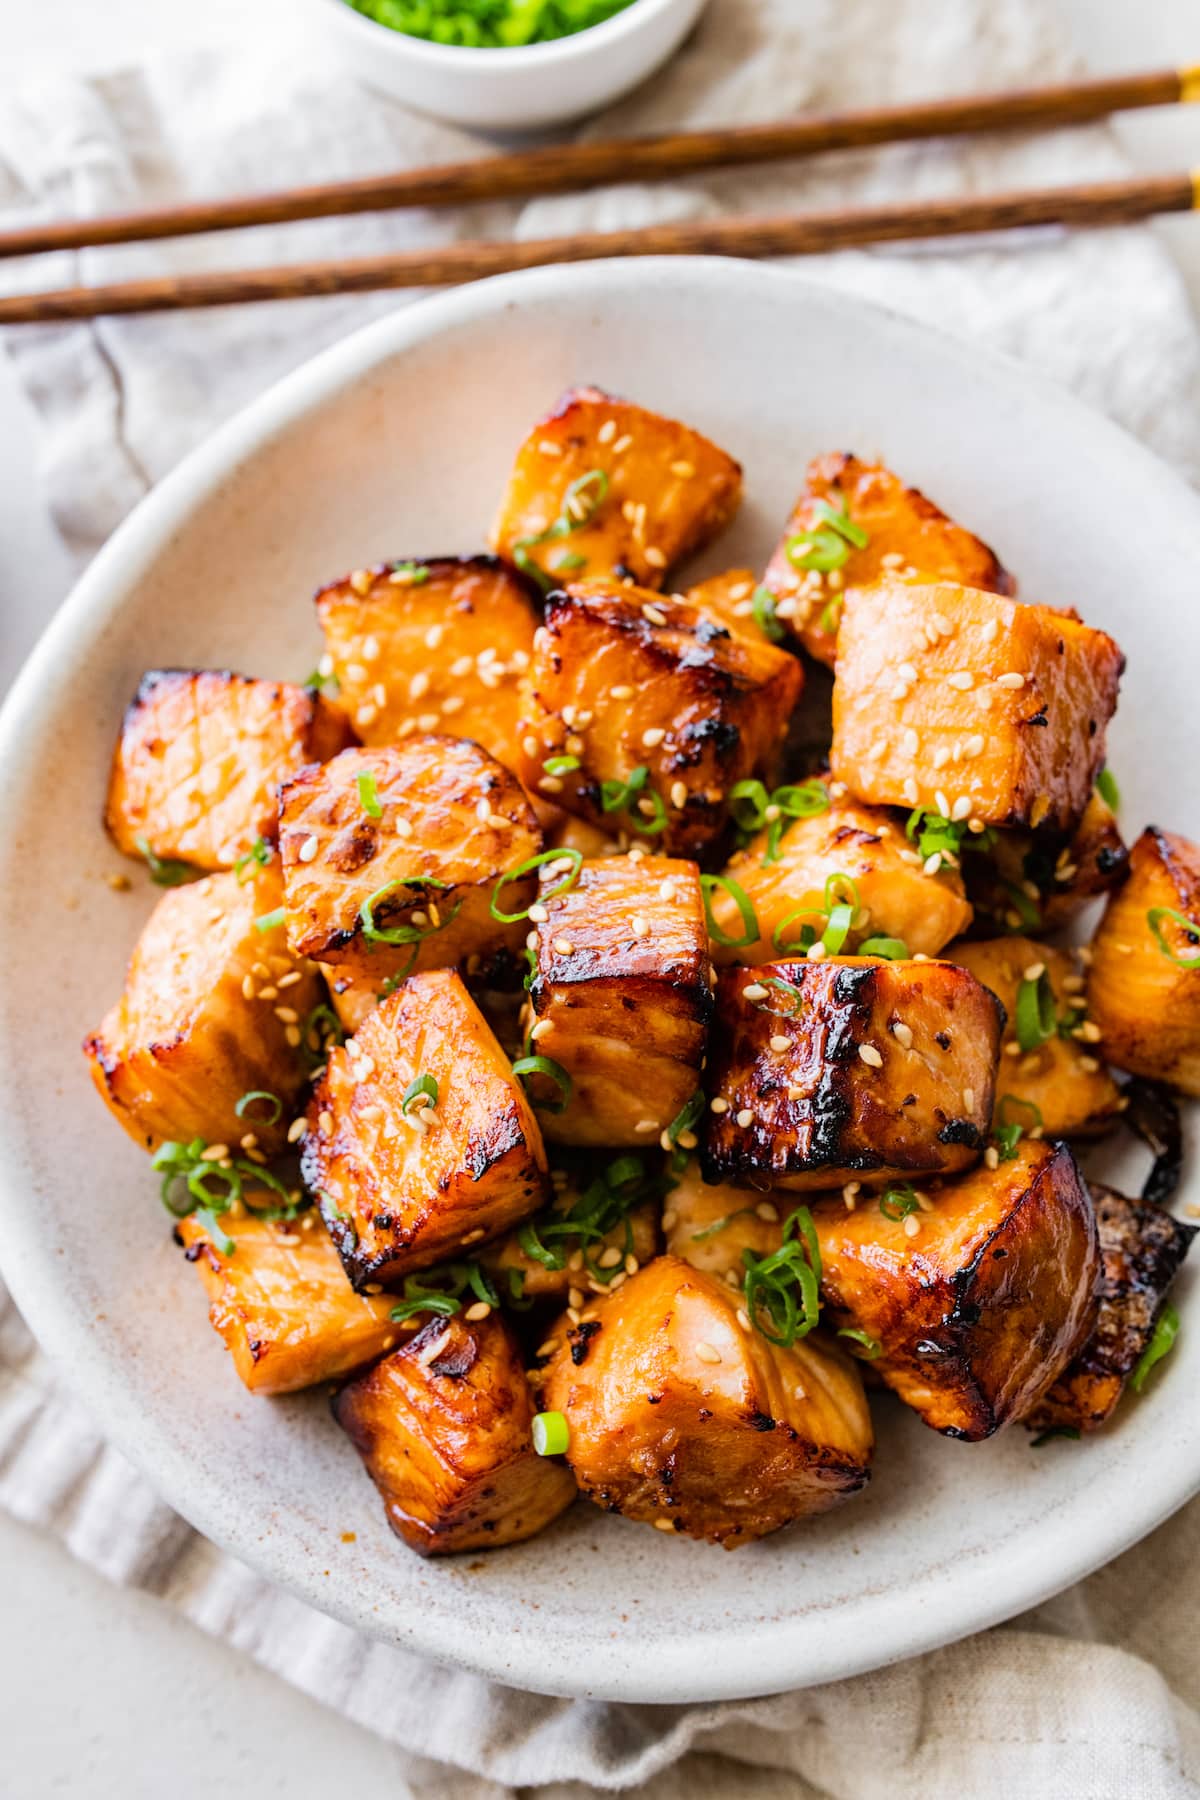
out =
column 396, row 443
column 509, row 90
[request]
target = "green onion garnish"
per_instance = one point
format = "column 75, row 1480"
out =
column 402, row 934
column 214, row 1185
column 765, row 615
column 208, row 1221
column 321, row 682
column 788, row 989
column 581, row 502
column 574, row 857
column 626, row 796
column 254, row 1094
column 898, row 1200
column 842, row 523
column 702, row 1237
column 1109, row 792
column 270, row 921
column 546, row 1065
column 821, row 548
column 560, row 765
column 1188, row 927
column 1037, row 1012
column 424, row 1087
column 1008, row 1131
column 569, row 560
column 748, row 802
column 782, row 1290
column 417, row 573
column 710, row 884
column 870, row 1346
column 808, row 933
column 687, row 1117
column 163, row 872
column 1165, row 1333
column 260, row 852
column 440, row 1290
column 321, row 1030
column 368, row 794
column 890, row 948
column 841, row 912
column 604, row 1208
column 935, row 835
column 550, row 1433
column 1026, row 909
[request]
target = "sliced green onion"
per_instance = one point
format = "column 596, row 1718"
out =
column 822, row 548
column 842, row 523
column 164, row 872
column 208, row 1221
column 368, row 794
column 1008, row 1131
column 870, row 1346
column 748, row 802
column 321, row 682
column 1037, row 1012
column 702, row 1237
column 617, row 796
column 424, row 1085
column 402, row 934
column 1054, row 1431
column 321, row 1030
column 248, row 1099
column 445, row 1305
column 1165, row 1333
column 581, row 502
column 763, row 610
column 560, row 765
column 891, row 949
column 782, row 1290
column 791, row 992
column 417, row 573
column 570, row 559
column 831, row 615
column 1190, row 929
column 270, row 921
column 898, row 1200
column 808, row 933
column 546, row 1065
column 574, row 857
column 1109, row 792
column 260, row 852
column 687, row 1117
column 550, row 1433
column 710, row 884
column 842, row 913
column 1026, row 909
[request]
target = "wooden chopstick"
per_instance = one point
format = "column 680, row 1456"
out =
column 1097, row 203
column 569, row 167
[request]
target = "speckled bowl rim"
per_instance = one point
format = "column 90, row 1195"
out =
column 880, row 1626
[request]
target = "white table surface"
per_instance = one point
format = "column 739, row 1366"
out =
column 108, row 1694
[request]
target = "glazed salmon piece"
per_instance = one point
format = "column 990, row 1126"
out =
column 204, row 1020
column 897, row 534
column 1039, row 883
column 197, row 767
column 710, row 1224
column 281, row 1302
column 1142, row 1249
column 630, row 687
column 621, row 997
column 1058, row 1083
column 826, row 1072
column 408, row 842
column 947, row 693
column 603, row 487
column 784, row 878
column 437, row 646
column 406, row 1183
column 685, row 1417
column 974, row 1306
column 1143, row 988
column 443, row 1426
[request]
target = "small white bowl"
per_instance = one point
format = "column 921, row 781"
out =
column 509, row 90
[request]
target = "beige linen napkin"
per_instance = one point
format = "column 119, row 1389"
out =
column 1095, row 1694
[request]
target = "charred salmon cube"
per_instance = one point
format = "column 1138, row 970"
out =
column 978, row 1303
column 420, row 1140
column 682, row 1415
column 213, row 1009
column 1031, row 881
column 431, row 646
column 1144, row 984
column 603, row 487
column 391, row 857
column 621, row 996
column 947, row 693
column 823, row 1072
column 197, row 768
column 1141, row 1250
column 643, row 712
column 709, row 1225
column 855, row 523
column 786, row 872
column 1053, row 1080
column 443, row 1425
column 281, row 1302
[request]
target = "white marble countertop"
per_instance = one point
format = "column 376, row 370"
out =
column 108, row 1694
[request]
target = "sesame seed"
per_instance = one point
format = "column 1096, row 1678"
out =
column 646, row 1125
column 941, row 625
column 639, row 926
column 1013, row 679
column 667, row 890
column 991, row 1157
column 292, row 1037
column 215, row 1153
column 684, row 470
column 962, row 679
column 620, row 693
column 653, row 737
column 403, row 827
column 1039, row 810
column 564, row 947
column 654, row 614
column 480, row 1310
column 912, row 1225
column 664, row 1524
column 910, row 743
column 754, row 990
column 296, row 1130
column 679, row 795
column 538, row 913
column 268, row 993
column 767, row 1212
column 909, row 791
column 990, row 631
column 325, row 666
column 745, row 1117
column 817, row 952
column 851, row 1191
column 542, row 1029
column 795, row 1093
column 968, row 1099
column 607, row 432
column 1090, row 1065
column 452, row 704
column 902, row 1033
column 366, row 715
column 463, row 665
column 941, row 756
column 708, row 1353
column 932, row 864
column 779, row 1042
column 1034, row 972
column 550, row 784
column 718, row 1104
column 622, row 444
column 870, row 1055
column 247, row 987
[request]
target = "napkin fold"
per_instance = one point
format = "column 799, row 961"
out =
column 1095, row 1694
